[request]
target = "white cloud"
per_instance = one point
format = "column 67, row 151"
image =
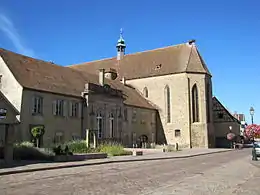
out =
column 8, row 28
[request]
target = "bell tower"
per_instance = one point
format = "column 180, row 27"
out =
column 120, row 46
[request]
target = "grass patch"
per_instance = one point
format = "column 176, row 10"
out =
column 77, row 146
column 113, row 149
column 27, row 151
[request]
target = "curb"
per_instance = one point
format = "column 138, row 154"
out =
column 255, row 163
column 106, row 162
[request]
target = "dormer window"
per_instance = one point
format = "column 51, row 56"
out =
column 158, row 66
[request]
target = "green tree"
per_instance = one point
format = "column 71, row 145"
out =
column 37, row 133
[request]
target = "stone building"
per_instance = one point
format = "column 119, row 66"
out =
column 159, row 96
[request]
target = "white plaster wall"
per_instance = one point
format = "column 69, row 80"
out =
column 10, row 86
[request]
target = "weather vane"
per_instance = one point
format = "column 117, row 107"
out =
column 121, row 32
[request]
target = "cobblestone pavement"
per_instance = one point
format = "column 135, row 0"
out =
column 223, row 173
column 30, row 166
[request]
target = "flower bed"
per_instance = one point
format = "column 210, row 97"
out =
column 108, row 147
column 252, row 131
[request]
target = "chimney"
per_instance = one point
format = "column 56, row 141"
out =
column 192, row 42
column 123, row 80
column 101, row 76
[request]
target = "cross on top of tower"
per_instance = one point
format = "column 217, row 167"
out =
column 121, row 32
column 121, row 41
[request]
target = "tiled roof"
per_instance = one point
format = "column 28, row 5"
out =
column 168, row 60
column 46, row 76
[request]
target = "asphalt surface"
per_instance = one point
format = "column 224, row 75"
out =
column 222, row 173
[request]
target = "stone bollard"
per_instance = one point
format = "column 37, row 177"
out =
column 177, row 147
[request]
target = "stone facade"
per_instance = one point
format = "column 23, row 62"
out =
column 180, row 128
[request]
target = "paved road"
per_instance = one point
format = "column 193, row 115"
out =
column 223, row 173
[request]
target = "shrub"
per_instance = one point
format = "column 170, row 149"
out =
column 30, row 153
column 77, row 146
column 113, row 149
column 27, row 151
column 37, row 132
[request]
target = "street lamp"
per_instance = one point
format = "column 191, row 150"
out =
column 231, row 136
column 254, row 156
column 230, row 128
column 252, row 112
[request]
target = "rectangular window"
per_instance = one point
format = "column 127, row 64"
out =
column 134, row 116
column 74, row 109
column 177, row 132
column 99, row 126
column 111, row 127
column 58, row 107
column 58, row 137
column 37, row 105
column 119, row 112
column 125, row 114
column 153, row 118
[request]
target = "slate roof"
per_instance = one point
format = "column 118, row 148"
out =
column 45, row 76
column 163, row 61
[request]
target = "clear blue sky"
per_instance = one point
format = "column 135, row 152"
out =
column 66, row 32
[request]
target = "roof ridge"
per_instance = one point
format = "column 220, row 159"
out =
column 130, row 54
column 188, row 61
column 30, row 57
column 100, row 60
column 156, row 49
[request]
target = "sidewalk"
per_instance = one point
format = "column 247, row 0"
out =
column 146, row 156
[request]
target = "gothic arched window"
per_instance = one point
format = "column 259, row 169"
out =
column 168, row 103
column 145, row 92
column 195, row 104
column 208, row 98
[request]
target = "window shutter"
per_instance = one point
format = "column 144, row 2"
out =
column 70, row 108
column 54, row 108
column 32, row 106
column 64, row 109
column 79, row 109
